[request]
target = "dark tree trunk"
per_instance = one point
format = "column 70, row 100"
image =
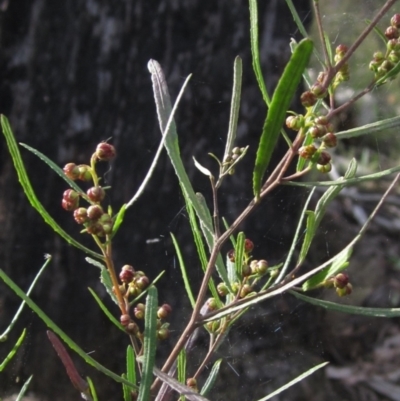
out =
column 74, row 73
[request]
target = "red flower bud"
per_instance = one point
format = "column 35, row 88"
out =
column 127, row 273
column 164, row 311
column 248, row 245
column 95, row 228
column 307, row 152
column 105, row 151
column 70, row 206
column 80, row 215
column 308, row 99
column 94, row 212
column 125, row 320
column 395, row 21
column 71, row 170
column 324, row 158
column 392, row 32
column 96, row 194
column 330, row 140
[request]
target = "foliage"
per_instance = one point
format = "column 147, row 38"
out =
column 243, row 281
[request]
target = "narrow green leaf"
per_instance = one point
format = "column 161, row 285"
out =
column 182, row 369
column 168, row 129
column 130, row 364
column 55, row 168
column 239, row 253
column 279, row 105
column 310, row 232
column 372, row 128
column 106, row 311
column 294, row 381
column 13, row 351
column 314, row 219
column 183, row 271
column 329, row 48
column 130, row 372
column 150, row 344
column 295, row 238
column 255, row 52
column 212, row 377
column 93, row 392
column 118, row 220
column 355, row 310
column 74, row 346
column 29, row 192
column 345, row 183
column 296, row 18
column 235, row 106
column 3, row 337
column 24, row 389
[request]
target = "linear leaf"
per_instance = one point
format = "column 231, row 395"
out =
column 255, row 52
column 348, row 182
column 55, row 168
column 130, row 372
column 310, row 232
column 182, row 369
column 183, row 271
column 235, row 106
column 80, row 384
column 372, row 128
column 314, row 219
column 30, row 193
column 73, row 345
column 3, row 337
column 119, row 218
column 150, row 344
column 24, row 389
column 294, row 381
column 278, row 107
column 355, row 310
column 13, row 351
column 106, row 311
column 212, row 377
column 295, row 238
column 92, row 389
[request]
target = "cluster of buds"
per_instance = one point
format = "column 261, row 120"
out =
column 133, row 284
column 93, row 218
column 321, row 131
column 341, row 283
column 232, row 158
column 250, row 272
column 382, row 63
column 343, row 74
